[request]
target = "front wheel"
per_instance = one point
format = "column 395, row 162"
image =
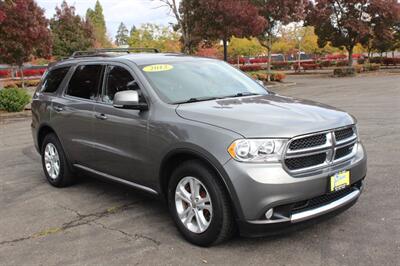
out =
column 200, row 205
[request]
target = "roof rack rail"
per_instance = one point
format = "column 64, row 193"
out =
column 103, row 52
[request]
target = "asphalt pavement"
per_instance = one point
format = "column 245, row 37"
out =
column 95, row 222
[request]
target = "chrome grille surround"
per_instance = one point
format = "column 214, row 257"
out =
column 335, row 151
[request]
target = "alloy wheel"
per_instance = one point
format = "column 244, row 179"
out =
column 52, row 161
column 193, row 205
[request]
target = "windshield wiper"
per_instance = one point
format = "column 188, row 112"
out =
column 203, row 99
column 241, row 94
column 199, row 99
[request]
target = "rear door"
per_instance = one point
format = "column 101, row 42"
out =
column 121, row 134
column 73, row 113
column 44, row 96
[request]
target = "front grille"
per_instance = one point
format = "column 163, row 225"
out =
column 308, row 142
column 343, row 134
column 342, row 152
column 312, row 152
column 305, row 161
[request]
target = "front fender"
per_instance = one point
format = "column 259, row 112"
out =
column 192, row 150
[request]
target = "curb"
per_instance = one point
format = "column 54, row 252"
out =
column 282, row 85
column 9, row 117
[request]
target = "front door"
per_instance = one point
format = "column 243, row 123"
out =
column 120, row 134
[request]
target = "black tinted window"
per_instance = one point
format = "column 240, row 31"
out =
column 119, row 79
column 53, row 79
column 85, row 82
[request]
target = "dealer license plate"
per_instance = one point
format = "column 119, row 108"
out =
column 340, row 181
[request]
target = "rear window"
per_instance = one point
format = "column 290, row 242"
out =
column 85, row 82
column 53, row 79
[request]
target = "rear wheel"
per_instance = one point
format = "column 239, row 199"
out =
column 200, row 205
column 54, row 162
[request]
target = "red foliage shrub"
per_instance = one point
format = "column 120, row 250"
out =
column 342, row 63
column 357, row 56
column 325, row 63
column 249, row 68
column 209, row 52
column 275, row 76
column 336, row 56
column 259, row 60
column 391, row 61
column 32, row 72
column 241, row 61
column 5, row 73
column 308, row 66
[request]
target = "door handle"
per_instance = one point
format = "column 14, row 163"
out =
column 101, row 116
column 58, row 109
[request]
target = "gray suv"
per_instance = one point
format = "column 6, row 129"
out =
column 225, row 153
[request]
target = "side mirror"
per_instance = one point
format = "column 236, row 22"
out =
column 128, row 100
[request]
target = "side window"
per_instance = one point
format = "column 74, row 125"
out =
column 53, row 79
column 119, row 79
column 85, row 82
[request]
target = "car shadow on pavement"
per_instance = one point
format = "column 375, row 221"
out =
column 157, row 209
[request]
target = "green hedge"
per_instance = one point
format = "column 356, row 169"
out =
column 13, row 100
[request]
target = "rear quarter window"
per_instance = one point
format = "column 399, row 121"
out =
column 53, row 80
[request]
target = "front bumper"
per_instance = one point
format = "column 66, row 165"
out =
column 259, row 188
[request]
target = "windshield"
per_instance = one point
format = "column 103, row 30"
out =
column 199, row 80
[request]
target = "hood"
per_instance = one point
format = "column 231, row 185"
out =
column 266, row 116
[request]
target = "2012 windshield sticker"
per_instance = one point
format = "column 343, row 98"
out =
column 158, row 68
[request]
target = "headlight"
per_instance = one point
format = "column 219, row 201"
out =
column 257, row 150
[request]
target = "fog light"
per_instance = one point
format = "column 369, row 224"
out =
column 269, row 213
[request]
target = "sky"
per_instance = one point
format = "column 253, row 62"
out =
column 130, row 12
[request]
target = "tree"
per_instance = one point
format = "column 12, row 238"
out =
column 348, row 22
column 396, row 42
column 2, row 14
column 24, row 33
column 283, row 46
column 185, row 17
column 122, row 35
column 69, row 31
column 245, row 47
column 155, row 36
column 309, row 42
column 133, row 29
column 383, row 41
column 222, row 19
column 96, row 18
column 276, row 13
column 384, row 30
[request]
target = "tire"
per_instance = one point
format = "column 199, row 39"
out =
column 63, row 177
column 221, row 225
